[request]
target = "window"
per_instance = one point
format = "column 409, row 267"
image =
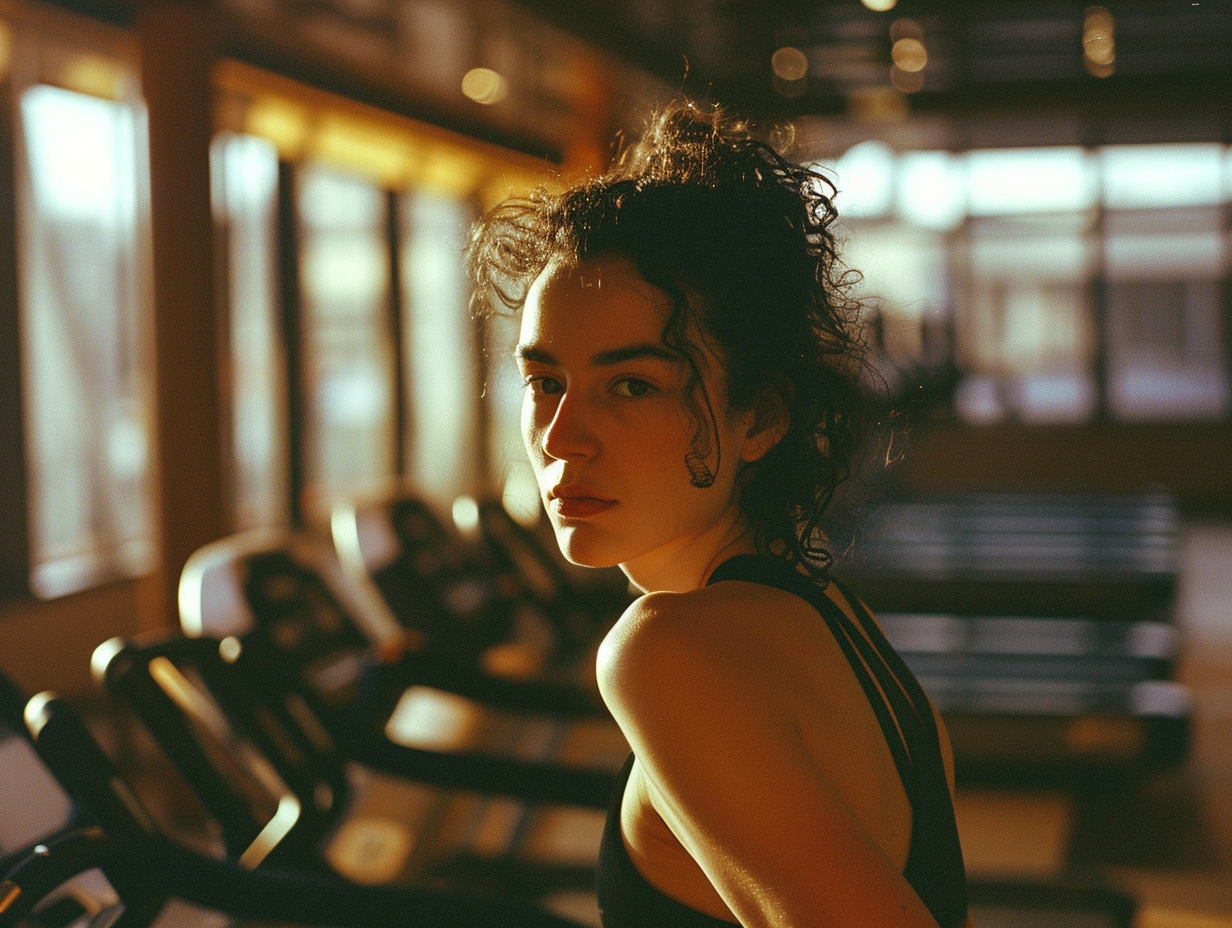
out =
column 348, row 350
column 1164, row 358
column 1074, row 282
column 84, row 298
column 931, row 193
column 1029, row 180
column 510, row 465
column 245, row 170
column 904, row 280
column 442, row 380
column 1137, row 176
column 386, row 355
column 1026, row 332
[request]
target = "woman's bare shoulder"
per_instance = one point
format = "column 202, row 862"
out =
column 733, row 637
column 707, row 621
column 723, row 691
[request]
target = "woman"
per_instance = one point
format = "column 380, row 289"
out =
column 692, row 401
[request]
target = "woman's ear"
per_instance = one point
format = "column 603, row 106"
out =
column 771, row 417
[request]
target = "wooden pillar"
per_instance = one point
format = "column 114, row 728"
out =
column 589, row 149
column 177, row 39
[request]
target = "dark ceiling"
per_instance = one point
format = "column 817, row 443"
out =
column 981, row 54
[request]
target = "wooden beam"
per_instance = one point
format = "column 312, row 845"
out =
column 177, row 39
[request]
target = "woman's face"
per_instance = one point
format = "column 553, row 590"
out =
column 606, row 425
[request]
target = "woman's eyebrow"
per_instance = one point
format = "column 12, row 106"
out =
column 648, row 350
column 524, row 352
column 637, row 352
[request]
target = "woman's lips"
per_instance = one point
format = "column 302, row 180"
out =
column 574, row 505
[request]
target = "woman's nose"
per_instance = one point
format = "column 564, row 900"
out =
column 570, row 434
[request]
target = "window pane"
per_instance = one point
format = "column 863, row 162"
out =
column 83, row 306
column 442, row 384
column 931, row 192
column 1017, row 245
column 510, row 465
column 348, row 363
column 904, row 278
column 1165, row 351
column 1029, row 180
column 1031, row 344
column 1026, row 332
column 865, row 180
column 1165, row 334
column 1051, row 248
column 245, row 194
column 1164, row 244
column 1136, row 176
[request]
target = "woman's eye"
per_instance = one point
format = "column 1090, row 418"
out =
column 632, row 387
column 544, row 385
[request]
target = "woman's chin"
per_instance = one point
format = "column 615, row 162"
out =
column 584, row 552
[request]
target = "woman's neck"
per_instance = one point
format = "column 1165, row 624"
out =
column 686, row 565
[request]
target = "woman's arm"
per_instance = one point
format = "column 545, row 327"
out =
column 707, row 700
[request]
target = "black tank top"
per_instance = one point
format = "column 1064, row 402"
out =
column 934, row 865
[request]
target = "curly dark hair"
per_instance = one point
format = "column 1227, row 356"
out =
column 741, row 239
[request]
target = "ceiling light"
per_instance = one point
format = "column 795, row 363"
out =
column 909, row 55
column 790, row 64
column 906, row 28
column 483, row 85
column 1098, row 41
column 879, row 6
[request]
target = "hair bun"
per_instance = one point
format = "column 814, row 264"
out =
column 693, row 143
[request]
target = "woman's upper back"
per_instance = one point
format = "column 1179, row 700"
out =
column 765, row 783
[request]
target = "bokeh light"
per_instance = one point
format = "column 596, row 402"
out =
column 483, row 85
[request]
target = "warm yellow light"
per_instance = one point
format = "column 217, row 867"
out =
column 790, row 64
column 408, row 153
column 509, row 183
column 93, row 75
column 363, row 147
column 282, row 122
column 878, row 104
column 909, row 55
column 483, row 85
column 450, row 170
column 6, row 48
column 1098, row 41
column 879, row 6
